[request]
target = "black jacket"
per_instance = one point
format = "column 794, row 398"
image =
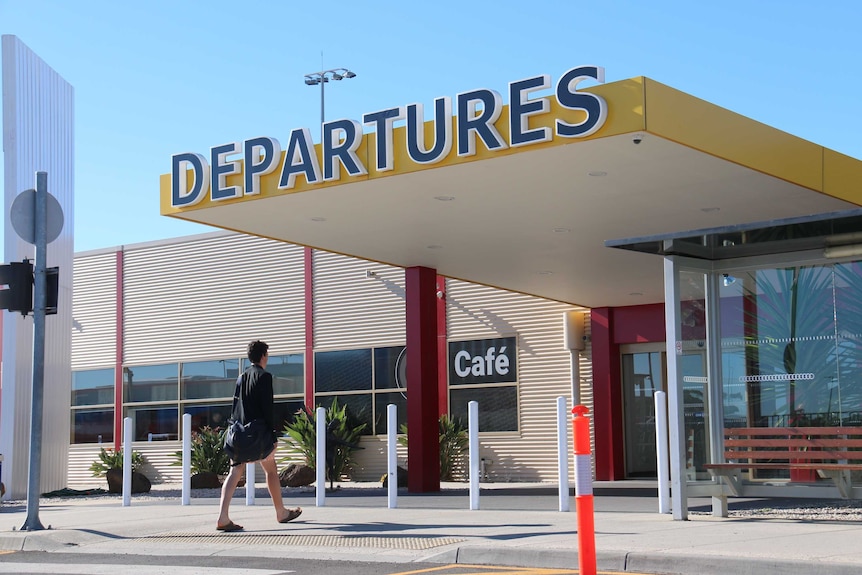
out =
column 252, row 398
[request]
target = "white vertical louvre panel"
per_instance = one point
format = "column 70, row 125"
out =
column 353, row 309
column 94, row 301
column 544, row 372
column 208, row 296
column 38, row 124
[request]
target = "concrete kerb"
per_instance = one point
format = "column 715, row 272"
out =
column 519, row 527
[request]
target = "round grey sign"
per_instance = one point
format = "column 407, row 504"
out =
column 23, row 217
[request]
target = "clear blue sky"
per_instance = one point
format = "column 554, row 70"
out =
column 159, row 77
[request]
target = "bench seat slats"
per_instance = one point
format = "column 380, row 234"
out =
column 757, row 465
column 793, row 455
column 795, row 442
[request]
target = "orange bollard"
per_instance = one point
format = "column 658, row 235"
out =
column 584, row 491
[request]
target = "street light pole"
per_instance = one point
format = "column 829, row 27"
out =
column 322, row 77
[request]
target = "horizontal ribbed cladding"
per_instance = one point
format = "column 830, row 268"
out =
column 81, row 457
column 544, row 373
column 207, row 298
column 352, row 310
column 94, row 303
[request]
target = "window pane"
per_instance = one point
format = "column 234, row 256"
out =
column 381, row 400
column 285, row 412
column 151, row 382
column 214, row 416
column 93, row 426
column 390, row 368
column 498, row 407
column 209, row 379
column 358, row 408
column 348, row 370
column 93, row 387
column 287, row 374
column 160, row 422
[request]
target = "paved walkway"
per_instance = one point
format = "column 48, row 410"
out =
column 514, row 526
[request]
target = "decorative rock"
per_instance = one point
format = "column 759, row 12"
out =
column 297, row 475
column 140, row 482
column 205, row 480
column 402, row 477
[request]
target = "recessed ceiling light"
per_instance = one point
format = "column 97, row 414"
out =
column 562, row 230
column 435, row 247
column 710, row 210
column 545, row 272
column 598, row 173
column 444, row 198
column 636, row 293
column 318, row 219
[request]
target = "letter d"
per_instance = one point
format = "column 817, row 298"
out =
column 181, row 197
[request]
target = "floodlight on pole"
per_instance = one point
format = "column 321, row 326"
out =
column 322, row 77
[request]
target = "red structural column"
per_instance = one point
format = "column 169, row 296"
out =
column 118, row 354
column 423, row 447
column 442, row 349
column 607, row 396
column 308, row 360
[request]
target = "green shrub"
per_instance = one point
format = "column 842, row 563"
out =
column 301, row 438
column 111, row 459
column 207, row 452
column 454, row 442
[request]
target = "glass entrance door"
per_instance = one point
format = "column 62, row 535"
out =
column 643, row 373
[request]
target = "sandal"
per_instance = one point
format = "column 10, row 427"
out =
column 291, row 515
column 229, row 527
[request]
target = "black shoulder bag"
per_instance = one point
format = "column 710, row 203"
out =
column 246, row 442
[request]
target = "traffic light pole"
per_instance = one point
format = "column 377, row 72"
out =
column 40, row 228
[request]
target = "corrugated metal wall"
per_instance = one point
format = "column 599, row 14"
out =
column 207, row 298
column 94, row 301
column 544, row 373
column 204, row 297
column 38, row 135
column 352, row 310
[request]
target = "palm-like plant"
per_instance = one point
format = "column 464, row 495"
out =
column 343, row 433
column 453, row 445
column 113, row 459
column 207, row 453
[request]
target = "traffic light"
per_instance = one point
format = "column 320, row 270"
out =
column 18, row 296
column 52, row 285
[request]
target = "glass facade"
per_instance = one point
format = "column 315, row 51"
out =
column 156, row 397
column 792, row 346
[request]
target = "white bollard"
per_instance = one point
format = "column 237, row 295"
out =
column 320, row 456
column 127, row 461
column 563, row 452
column 661, row 449
column 392, row 455
column 249, row 483
column 187, row 459
column 473, row 431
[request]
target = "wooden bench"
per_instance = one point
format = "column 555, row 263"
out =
column 833, row 451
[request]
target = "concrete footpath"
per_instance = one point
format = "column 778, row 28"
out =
column 515, row 525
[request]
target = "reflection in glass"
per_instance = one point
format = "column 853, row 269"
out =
column 347, row 370
column 381, row 401
column 642, row 376
column 158, row 424
column 93, row 426
column 390, row 368
column 498, row 406
column 151, row 382
column 358, row 408
column 93, row 387
column 209, row 379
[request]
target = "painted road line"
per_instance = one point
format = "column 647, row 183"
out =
column 113, row 569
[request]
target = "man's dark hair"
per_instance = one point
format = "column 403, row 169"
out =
column 256, row 350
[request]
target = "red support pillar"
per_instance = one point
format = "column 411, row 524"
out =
column 607, row 397
column 308, row 360
column 118, row 354
column 423, row 447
